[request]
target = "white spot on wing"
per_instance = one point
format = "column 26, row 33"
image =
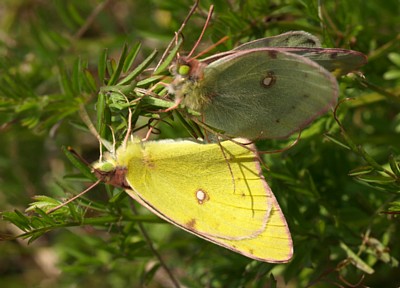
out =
column 201, row 196
column 269, row 80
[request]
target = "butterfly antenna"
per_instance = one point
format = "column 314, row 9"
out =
column 210, row 11
column 75, row 197
column 86, row 119
column 222, row 40
column 72, row 151
column 174, row 40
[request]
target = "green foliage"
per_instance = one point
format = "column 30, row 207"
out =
column 338, row 187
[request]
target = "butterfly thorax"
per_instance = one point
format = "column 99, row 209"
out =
column 188, row 84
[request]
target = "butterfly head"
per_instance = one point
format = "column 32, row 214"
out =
column 110, row 173
column 187, row 84
column 187, row 69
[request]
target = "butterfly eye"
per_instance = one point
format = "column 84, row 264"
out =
column 105, row 166
column 184, row 70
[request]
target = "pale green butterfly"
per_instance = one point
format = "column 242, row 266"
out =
column 261, row 91
column 221, row 197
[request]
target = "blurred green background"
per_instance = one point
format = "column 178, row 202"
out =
column 332, row 186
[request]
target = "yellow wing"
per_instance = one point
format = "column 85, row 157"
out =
column 221, row 197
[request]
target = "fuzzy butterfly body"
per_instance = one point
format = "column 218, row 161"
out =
column 221, row 197
column 267, row 88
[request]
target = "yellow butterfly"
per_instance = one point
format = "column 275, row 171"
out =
column 215, row 191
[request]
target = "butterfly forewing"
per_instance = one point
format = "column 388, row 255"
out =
column 195, row 187
column 340, row 61
column 264, row 93
column 237, row 209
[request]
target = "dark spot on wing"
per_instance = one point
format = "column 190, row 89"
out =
column 149, row 163
column 333, row 55
column 311, row 41
column 273, row 54
column 191, row 224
